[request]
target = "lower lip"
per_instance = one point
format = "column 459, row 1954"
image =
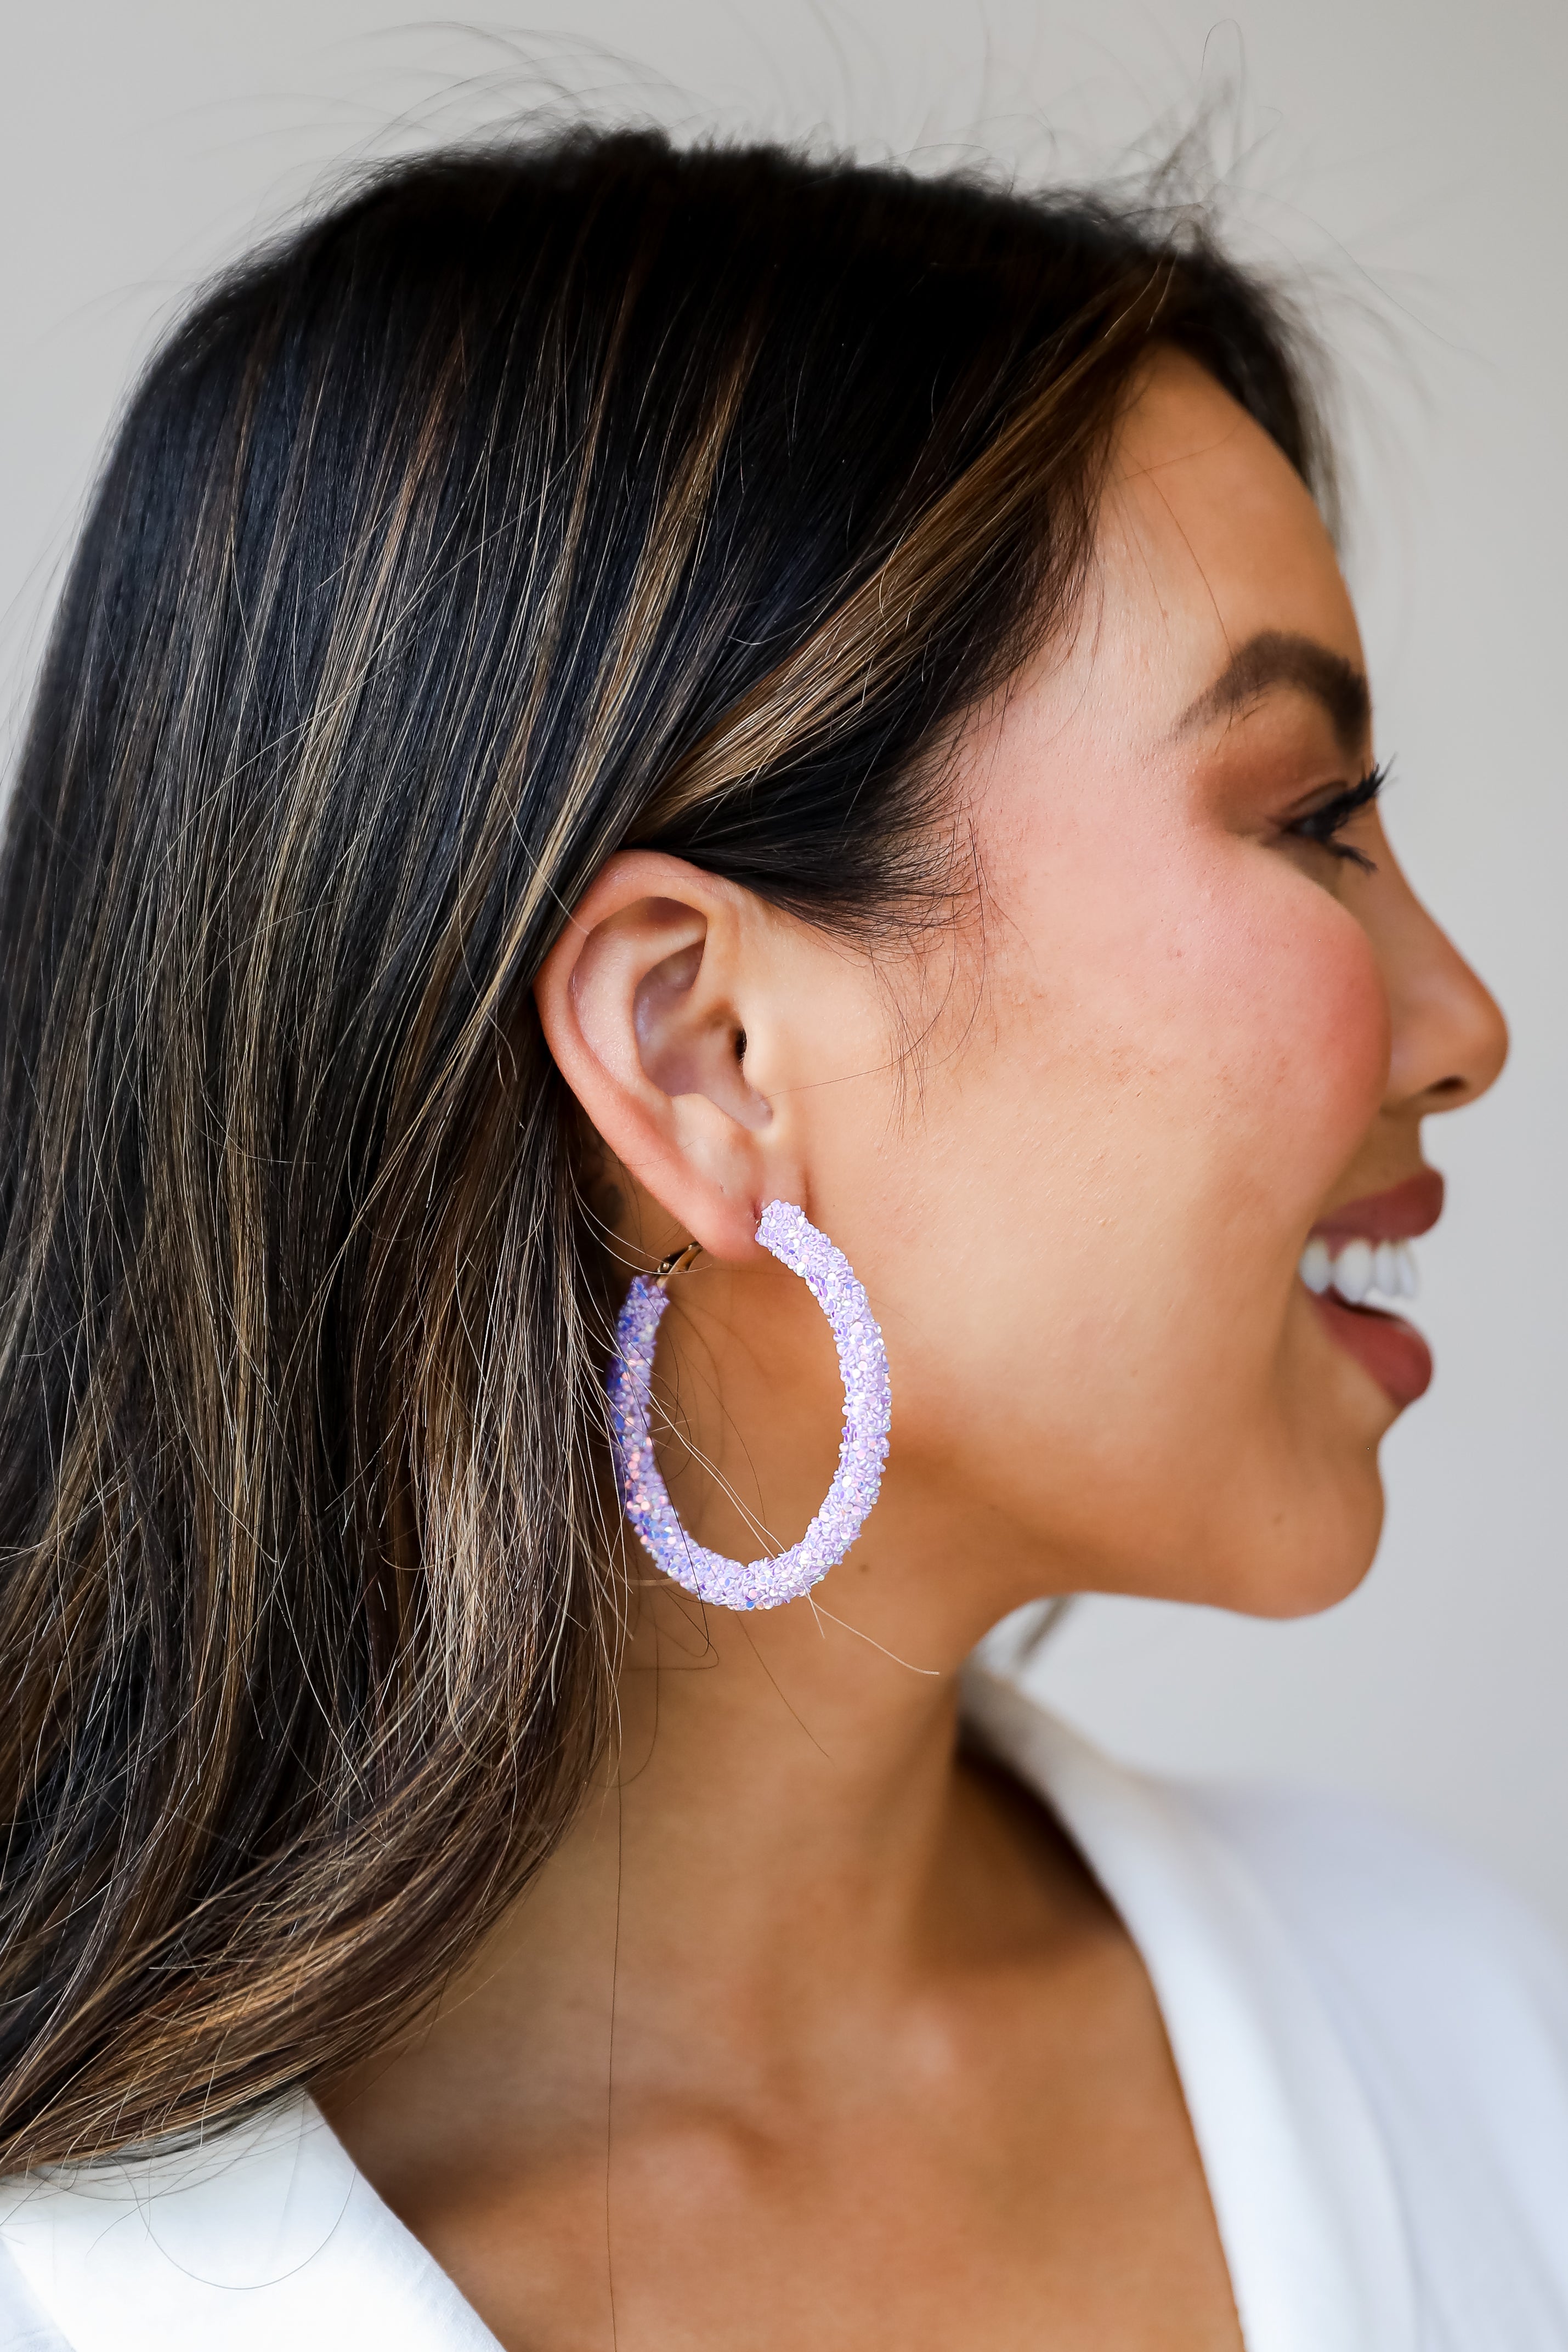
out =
column 1387, row 1347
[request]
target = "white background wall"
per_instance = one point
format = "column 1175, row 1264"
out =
column 1410, row 154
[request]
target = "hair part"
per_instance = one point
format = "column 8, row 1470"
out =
column 528, row 505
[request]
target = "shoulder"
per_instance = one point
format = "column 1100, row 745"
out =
column 263, row 2236
column 1451, row 2000
column 1372, row 2036
column 24, row 2325
column 1392, row 1920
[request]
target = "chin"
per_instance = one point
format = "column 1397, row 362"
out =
column 1266, row 1555
column 1319, row 1556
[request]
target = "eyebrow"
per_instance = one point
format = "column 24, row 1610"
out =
column 1279, row 657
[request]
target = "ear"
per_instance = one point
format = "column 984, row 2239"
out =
column 657, row 1004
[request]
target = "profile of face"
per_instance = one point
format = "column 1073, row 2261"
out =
column 1075, row 1139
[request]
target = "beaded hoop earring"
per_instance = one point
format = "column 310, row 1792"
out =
column 764, row 1583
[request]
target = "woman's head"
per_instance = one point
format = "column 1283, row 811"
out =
column 1191, row 1014
column 621, row 588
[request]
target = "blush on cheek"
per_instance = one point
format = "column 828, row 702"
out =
column 1339, row 1029
column 1282, row 995
column 1297, row 1020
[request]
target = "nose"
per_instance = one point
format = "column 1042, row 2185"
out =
column 1449, row 1039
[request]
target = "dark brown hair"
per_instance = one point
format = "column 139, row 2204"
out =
column 527, row 505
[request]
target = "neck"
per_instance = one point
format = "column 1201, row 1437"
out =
column 803, row 1752
column 774, row 1827
column 785, row 1849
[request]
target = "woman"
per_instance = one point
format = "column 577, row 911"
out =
column 633, row 714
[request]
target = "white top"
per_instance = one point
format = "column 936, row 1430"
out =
column 1373, row 2042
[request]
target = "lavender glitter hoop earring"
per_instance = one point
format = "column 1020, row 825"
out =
column 764, row 1583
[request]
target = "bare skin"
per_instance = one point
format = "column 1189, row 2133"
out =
column 815, row 2032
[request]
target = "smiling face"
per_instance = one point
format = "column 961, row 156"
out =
column 1190, row 1024
column 1204, row 1025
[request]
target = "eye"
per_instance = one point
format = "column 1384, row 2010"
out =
column 1324, row 824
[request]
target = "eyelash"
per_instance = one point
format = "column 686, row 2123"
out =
column 1323, row 825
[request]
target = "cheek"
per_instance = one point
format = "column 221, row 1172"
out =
column 1119, row 1163
column 1282, row 1021
column 1206, row 1035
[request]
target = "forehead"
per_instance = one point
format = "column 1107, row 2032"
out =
column 1208, row 537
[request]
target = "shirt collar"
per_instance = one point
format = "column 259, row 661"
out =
column 1303, row 2187
column 266, row 2237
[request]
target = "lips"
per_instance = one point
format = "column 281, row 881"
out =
column 1360, row 1248
column 1399, row 1215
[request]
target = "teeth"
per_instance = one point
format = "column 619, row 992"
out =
column 1316, row 1270
column 1352, row 1271
column 1354, row 1268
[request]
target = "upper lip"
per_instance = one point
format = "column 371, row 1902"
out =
column 1405, row 1210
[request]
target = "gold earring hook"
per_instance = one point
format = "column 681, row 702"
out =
column 677, row 1261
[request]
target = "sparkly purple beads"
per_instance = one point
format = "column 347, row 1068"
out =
column 765, row 1583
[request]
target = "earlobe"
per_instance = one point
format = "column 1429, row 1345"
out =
column 644, row 1005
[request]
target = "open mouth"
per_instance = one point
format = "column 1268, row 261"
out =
column 1365, row 1248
